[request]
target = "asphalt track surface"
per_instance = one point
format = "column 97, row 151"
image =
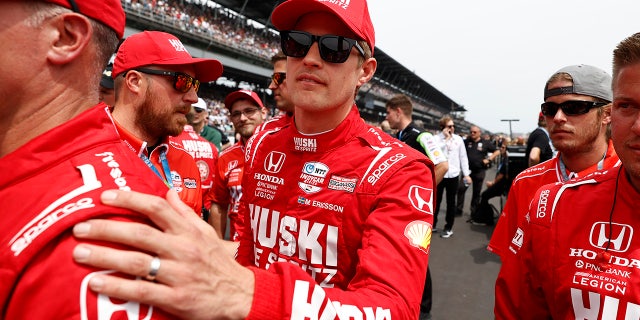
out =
column 462, row 270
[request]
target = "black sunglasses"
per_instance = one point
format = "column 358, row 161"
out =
column 333, row 49
column 181, row 81
column 278, row 77
column 570, row 108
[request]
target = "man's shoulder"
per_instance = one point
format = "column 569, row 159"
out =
column 539, row 174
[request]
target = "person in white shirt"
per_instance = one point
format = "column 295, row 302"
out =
column 453, row 147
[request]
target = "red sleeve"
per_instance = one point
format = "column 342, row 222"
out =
column 389, row 278
column 507, row 224
column 519, row 293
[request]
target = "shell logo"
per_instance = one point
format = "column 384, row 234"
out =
column 419, row 235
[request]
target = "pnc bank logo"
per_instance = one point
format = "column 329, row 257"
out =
column 617, row 237
column 274, row 161
column 421, row 198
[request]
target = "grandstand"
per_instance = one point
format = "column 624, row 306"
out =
column 239, row 34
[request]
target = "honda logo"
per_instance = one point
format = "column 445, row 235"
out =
column 232, row 165
column 617, row 237
column 274, row 161
column 421, row 198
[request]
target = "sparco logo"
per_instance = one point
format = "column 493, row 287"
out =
column 44, row 222
column 615, row 236
column 383, row 167
column 274, row 161
column 542, row 204
column 421, row 198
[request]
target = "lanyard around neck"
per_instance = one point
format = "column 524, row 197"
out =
column 165, row 167
column 571, row 175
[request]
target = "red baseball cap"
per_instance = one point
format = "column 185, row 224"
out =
column 240, row 95
column 161, row 49
column 109, row 12
column 354, row 13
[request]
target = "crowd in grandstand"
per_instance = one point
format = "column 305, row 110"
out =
column 217, row 23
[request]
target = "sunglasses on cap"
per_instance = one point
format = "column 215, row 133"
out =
column 570, row 108
column 333, row 49
column 278, row 77
column 181, row 81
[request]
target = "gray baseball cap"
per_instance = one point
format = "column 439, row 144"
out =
column 587, row 80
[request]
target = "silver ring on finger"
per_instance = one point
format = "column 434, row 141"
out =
column 154, row 267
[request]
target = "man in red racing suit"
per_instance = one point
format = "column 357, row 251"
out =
column 330, row 210
column 47, row 186
column 584, row 268
column 584, row 146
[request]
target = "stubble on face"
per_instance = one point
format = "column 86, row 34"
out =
column 577, row 134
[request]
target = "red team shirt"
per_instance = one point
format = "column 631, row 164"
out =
column 46, row 187
column 205, row 155
column 227, row 187
column 567, row 274
column 325, row 213
column 185, row 176
column 508, row 231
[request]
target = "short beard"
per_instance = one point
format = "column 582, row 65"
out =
column 157, row 123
